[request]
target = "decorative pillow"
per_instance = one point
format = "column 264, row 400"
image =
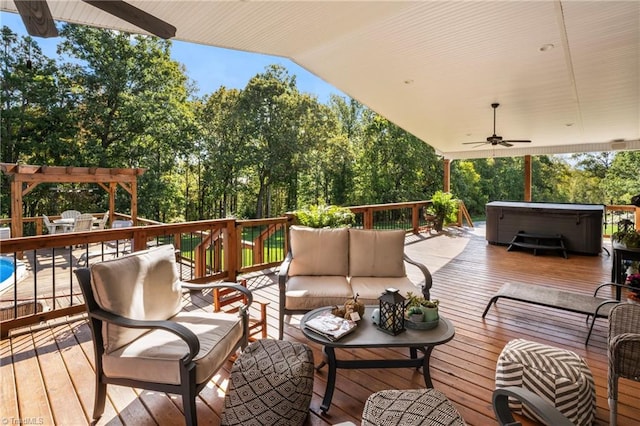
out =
column 143, row 285
column 319, row 251
column 376, row 253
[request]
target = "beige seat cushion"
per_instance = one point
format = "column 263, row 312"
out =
column 155, row 356
column 319, row 251
column 369, row 289
column 143, row 286
column 376, row 253
column 310, row 292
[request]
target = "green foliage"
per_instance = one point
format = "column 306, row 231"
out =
column 630, row 238
column 444, row 207
column 415, row 301
column 321, row 216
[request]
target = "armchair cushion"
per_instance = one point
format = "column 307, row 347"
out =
column 319, row 251
column 376, row 253
column 143, row 286
column 155, row 356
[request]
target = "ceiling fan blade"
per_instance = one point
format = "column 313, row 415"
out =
column 505, row 143
column 37, row 18
column 135, row 16
column 471, row 143
column 517, row 141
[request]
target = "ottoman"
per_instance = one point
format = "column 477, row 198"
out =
column 413, row 407
column 557, row 375
column 271, row 384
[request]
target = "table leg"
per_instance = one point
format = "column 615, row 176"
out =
column 331, row 379
column 425, row 366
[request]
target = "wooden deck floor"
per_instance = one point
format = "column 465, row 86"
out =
column 46, row 372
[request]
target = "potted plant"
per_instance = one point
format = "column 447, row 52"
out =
column 415, row 314
column 629, row 238
column 633, row 280
column 444, row 208
column 429, row 308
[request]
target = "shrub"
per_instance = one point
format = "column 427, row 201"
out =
column 322, row 216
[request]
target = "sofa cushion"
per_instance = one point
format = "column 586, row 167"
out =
column 376, row 253
column 369, row 289
column 319, row 251
column 143, row 286
column 310, row 292
column 155, row 356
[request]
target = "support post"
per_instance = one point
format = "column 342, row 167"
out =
column 446, row 184
column 527, row 178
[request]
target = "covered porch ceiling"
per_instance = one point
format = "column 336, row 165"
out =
column 435, row 67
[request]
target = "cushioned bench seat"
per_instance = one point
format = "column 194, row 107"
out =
column 325, row 267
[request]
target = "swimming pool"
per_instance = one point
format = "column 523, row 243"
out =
column 7, row 272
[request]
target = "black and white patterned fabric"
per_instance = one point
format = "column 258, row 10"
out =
column 558, row 375
column 413, row 407
column 271, row 384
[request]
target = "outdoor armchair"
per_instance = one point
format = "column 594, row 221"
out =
column 146, row 336
column 70, row 214
column 50, row 226
column 83, row 223
column 624, row 350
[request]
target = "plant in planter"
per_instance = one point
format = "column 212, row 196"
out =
column 415, row 314
column 626, row 234
column 633, row 280
column 444, row 208
column 429, row 308
column 322, row 216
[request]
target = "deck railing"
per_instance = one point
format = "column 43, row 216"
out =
column 206, row 250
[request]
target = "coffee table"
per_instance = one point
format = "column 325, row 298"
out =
column 368, row 336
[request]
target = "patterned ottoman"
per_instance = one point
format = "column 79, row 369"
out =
column 271, row 384
column 413, row 407
column 557, row 375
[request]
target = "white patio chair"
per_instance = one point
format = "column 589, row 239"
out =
column 70, row 214
column 121, row 246
column 101, row 223
column 83, row 223
column 50, row 226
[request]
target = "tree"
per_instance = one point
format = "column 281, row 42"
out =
column 134, row 109
column 270, row 108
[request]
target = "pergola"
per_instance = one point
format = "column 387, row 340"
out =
column 24, row 178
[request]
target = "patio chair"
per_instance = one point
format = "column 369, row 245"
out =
column 83, row 223
column 51, row 228
column 624, row 350
column 100, row 224
column 70, row 214
column 146, row 336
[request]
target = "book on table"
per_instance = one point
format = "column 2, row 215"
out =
column 330, row 326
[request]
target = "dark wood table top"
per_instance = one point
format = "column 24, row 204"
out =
column 367, row 334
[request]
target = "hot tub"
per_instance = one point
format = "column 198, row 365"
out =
column 579, row 224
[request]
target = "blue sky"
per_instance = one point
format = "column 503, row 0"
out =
column 210, row 67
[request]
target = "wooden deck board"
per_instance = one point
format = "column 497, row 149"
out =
column 50, row 369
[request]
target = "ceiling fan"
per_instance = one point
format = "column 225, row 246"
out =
column 37, row 18
column 495, row 139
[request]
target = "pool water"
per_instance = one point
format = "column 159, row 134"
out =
column 7, row 272
column 6, row 269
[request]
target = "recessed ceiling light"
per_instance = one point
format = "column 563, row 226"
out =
column 546, row 47
column 408, row 81
column 569, row 124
